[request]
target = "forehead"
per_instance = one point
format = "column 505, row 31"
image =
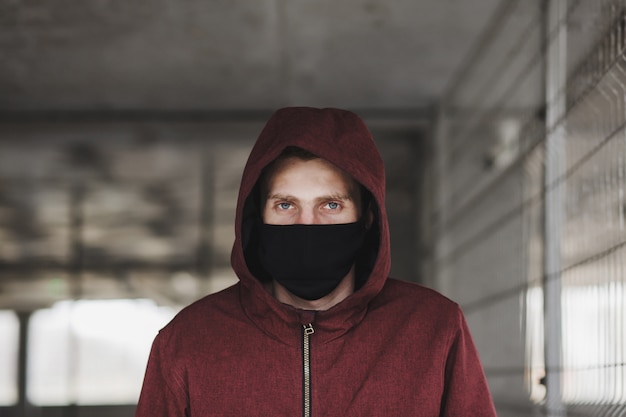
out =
column 294, row 171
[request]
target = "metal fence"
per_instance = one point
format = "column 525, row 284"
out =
column 528, row 227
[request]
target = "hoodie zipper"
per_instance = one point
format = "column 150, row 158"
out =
column 307, row 331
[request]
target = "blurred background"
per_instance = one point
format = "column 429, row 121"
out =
column 125, row 125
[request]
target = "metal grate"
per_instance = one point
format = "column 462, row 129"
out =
column 529, row 219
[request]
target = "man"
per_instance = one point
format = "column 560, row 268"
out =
column 315, row 327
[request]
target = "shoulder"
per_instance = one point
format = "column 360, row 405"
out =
column 415, row 293
column 205, row 314
column 427, row 319
column 412, row 299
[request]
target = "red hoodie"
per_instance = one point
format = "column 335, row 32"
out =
column 392, row 348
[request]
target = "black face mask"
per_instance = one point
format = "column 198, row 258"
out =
column 310, row 260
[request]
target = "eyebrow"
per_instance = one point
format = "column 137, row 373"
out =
column 336, row 197
column 279, row 196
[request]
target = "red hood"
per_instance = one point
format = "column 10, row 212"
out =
column 342, row 138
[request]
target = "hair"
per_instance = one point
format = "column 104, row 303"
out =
column 268, row 171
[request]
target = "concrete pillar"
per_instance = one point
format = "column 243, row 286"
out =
column 24, row 408
column 556, row 67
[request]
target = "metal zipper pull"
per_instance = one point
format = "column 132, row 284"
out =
column 307, row 331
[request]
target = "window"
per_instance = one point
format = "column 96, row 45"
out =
column 9, row 339
column 91, row 352
column 593, row 344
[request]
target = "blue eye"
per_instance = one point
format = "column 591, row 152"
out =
column 332, row 205
column 284, row 206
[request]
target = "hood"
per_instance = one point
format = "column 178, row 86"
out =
column 340, row 137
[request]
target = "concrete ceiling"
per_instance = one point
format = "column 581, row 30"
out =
column 137, row 206
column 233, row 54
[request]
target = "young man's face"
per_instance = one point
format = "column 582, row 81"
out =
column 310, row 192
